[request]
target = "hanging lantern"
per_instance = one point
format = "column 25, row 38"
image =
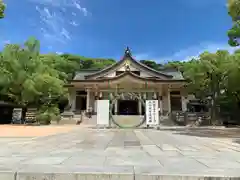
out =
column 122, row 96
column 111, row 96
column 154, row 95
column 140, row 95
column 145, row 96
column 100, row 94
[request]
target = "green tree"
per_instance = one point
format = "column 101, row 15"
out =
column 88, row 63
column 207, row 76
column 151, row 64
column 25, row 78
column 174, row 64
column 234, row 12
column 2, row 9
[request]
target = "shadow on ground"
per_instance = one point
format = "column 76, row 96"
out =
column 207, row 132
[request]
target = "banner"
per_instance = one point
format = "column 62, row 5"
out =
column 103, row 112
column 152, row 114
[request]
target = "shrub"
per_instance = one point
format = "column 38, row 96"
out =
column 46, row 114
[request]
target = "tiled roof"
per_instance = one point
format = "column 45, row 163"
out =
column 177, row 75
column 80, row 75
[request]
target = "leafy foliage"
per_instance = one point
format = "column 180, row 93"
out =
column 48, row 113
column 2, row 9
column 151, row 64
column 234, row 12
column 26, row 78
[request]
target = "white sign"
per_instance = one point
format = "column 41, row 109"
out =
column 103, row 112
column 152, row 114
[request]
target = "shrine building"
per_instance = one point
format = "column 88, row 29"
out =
column 128, row 76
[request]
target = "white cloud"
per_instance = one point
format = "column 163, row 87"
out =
column 55, row 21
column 74, row 23
column 62, row 4
column 59, row 53
column 188, row 53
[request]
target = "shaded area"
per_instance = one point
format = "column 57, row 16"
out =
column 6, row 111
column 207, row 132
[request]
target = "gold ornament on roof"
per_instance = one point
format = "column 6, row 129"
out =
column 127, row 65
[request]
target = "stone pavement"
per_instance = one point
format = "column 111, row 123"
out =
column 105, row 154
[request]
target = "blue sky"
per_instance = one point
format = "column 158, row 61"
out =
column 161, row 30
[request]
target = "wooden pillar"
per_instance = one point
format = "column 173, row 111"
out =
column 169, row 99
column 116, row 107
column 72, row 99
column 184, row 101
column 116, row 102
column 160, row 101
column 88, row 100
column 140, row 104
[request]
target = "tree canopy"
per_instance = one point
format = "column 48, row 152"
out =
column 26, row 77
column 234, row 12
column 2, row 9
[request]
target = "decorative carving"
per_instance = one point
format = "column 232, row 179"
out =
column 127, row 96
column 127, row 68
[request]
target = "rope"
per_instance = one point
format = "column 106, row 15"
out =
column 111, row 118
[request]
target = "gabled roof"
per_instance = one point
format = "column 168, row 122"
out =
column 87, row 75
column 128, row 55
column 132, row 75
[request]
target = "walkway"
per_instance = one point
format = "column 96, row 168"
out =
column 83, row 153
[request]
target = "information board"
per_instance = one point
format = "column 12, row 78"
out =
column 17, row 115
column 30, row 116
column 152, row 114
column 103, row 112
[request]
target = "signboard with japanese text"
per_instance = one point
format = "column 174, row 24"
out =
column 152, row 114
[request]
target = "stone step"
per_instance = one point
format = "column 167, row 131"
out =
column 115, row 172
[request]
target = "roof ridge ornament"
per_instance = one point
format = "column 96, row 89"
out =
column 128, row 52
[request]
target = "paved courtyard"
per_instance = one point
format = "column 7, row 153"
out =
column 75, row 152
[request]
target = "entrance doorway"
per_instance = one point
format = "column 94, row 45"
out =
column 128, row 107
column 81, row 103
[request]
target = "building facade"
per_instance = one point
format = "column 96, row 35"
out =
column 132, row 82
